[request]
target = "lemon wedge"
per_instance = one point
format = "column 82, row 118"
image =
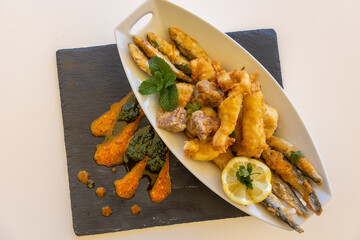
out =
column 236, row 191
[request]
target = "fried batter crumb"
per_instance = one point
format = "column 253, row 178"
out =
column 106, row 211
column 135, row 209
column 100, row 191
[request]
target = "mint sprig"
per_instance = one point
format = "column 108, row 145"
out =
column 192, row 107
column 162, row 81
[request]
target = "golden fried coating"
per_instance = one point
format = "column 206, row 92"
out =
column 271, row 118
column 140, row 58
column 223, row 159
column 187, row 46
column 168, row 49
column 201, row 126
column 150, row 51
column 186, row 93
column 253, row 133
column 200, row 151
column 208, row 94
column 202, row 69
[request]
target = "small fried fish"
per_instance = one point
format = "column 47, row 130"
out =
column 139, row 57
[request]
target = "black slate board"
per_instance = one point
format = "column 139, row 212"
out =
column 90, row 80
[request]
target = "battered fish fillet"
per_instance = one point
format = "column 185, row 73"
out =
column 253, row 133
column 140, row 58
column 200, row 151
column 302, row 163
column 186, row 93
column 187, row 46
column 228, row 114
column 150, row 51
column 271, row 118
column 169, row 50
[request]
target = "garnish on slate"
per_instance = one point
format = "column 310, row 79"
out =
column 244, row 175
column 294, row 157
column 163, row 82
column 192, row 107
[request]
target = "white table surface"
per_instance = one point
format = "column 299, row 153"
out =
column 319, row 52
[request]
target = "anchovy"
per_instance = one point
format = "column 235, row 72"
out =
column 273, row 204
column 187, row 46
column 283, row 191
column 287, row 149
column 170, row 51
column 291, row 175
column 150, row 51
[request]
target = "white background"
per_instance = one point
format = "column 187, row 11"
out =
column 320, row 56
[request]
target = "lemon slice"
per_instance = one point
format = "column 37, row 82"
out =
column 237, row 191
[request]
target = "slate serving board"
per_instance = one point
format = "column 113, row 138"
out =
column 90, row 80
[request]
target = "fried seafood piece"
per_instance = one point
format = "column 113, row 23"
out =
column 200, row 151
column 186, row 93
column 140, row 58
column 112, row 151
column 208, row 111
column 187, row 45
column 168, row 50
column 271, row 118
column 126, row 187
column 253, row 133
column 150, row 51
column 291, row 175
column 202, row 69
column 208, row 94
column 286, row 148
column 223, row 159
column 174, row 121
column 228, row 112
column 273, row 204
column 162, row 186
column 201, row 126
column 283, row 191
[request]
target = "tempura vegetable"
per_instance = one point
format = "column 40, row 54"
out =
column 150, row 51
column 187, row 45
column 170, row 51
column 140, row 58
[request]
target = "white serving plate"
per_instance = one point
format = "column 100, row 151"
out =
column 231, row 55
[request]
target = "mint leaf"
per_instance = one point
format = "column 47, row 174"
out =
column 169, row 79
column 294, row 157
column 150, row 86
column 192, row 107
column 169, row 98
column 159, row 64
